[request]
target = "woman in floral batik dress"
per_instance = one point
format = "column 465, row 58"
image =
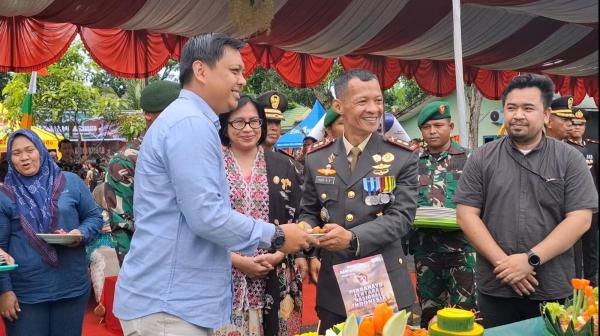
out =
column 267, row 298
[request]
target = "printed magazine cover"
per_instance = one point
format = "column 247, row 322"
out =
column 364, row 284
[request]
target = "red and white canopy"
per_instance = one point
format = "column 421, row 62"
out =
column 135, row 38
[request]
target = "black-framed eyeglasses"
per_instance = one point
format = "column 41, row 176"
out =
column 239, row 124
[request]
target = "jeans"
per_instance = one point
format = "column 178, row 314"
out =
column 54, row 318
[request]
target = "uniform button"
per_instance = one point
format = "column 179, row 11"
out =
column 400, row 261
column 349, row 218
column 351, row 194
column 323, row 196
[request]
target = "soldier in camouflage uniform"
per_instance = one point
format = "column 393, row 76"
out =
column 118, row 186
column 444, row 260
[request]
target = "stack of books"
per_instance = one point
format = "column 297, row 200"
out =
column 436, row 218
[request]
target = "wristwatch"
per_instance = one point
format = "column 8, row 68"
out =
column 533, row 259
column 353, row 242
column 278, row 239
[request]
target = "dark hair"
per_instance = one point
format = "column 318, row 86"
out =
column 532, row 80
column 341, row 83
column 65, row 142
column 208, row 48
column 224, row 120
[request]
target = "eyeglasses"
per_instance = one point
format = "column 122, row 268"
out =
column 239, row 124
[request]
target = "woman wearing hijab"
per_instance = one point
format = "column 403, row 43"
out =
column 267, row 289
column 49, row 291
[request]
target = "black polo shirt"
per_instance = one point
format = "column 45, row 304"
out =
column 522, row 199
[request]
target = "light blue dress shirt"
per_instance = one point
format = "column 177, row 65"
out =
column 179, row 262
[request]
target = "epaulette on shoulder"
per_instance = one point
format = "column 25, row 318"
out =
column 284, row 153
column 320, row 145
column 591, row 141
column 402, row 144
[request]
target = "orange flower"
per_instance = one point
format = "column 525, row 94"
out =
column 580, row 283
column 366, row 328
column 380, row 317
column 421, row 332
column 588, row 291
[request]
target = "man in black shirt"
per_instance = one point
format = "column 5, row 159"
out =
column 523, row 201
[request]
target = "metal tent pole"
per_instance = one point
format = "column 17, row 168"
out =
column 458, row 67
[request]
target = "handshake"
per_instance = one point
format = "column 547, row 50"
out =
column 297, row 237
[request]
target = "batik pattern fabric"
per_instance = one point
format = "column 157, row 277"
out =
column 250, row 197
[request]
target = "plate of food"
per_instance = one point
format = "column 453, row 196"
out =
column 60, row 238
column 8, row 268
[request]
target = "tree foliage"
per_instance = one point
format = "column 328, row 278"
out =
column 14, row 91
column 107, row 83
column 65, row 94
column 4, row 79
column 262, row 80
column 131, row 125
column 406, row 92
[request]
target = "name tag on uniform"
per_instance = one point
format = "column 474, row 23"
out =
column 325, row 180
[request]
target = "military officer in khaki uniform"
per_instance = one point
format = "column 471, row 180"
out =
column 362, row 189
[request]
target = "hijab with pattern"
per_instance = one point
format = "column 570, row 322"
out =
column 36, row 197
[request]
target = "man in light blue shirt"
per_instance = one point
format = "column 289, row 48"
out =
column 176, row 278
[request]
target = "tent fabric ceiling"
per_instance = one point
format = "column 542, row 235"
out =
column 412, row 38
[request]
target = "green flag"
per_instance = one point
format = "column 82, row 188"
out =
column 26, row 109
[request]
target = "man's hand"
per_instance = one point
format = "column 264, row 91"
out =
column 526, row 286
column 296, row 238
column 9, row 306
column 302, row 266
column 513, row 268
column 254, row 267
column 314, row 267
column 336, row 238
